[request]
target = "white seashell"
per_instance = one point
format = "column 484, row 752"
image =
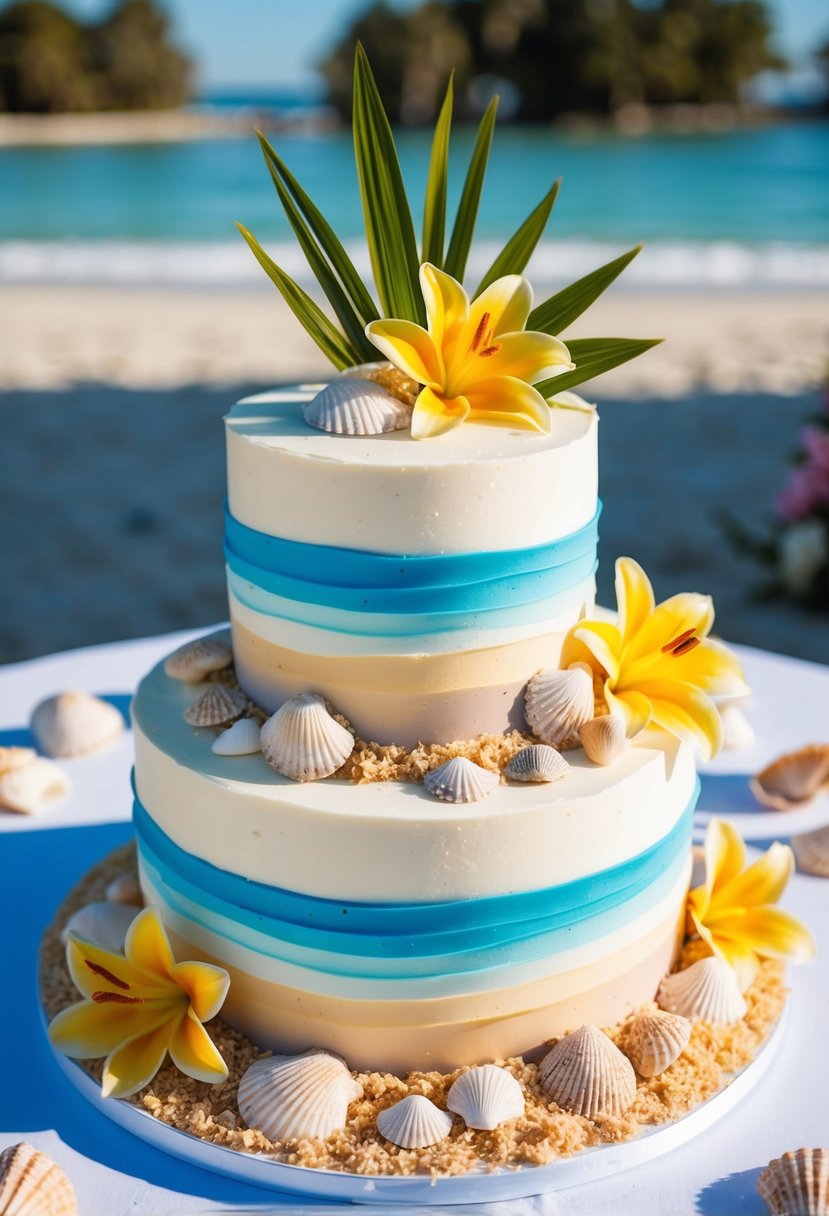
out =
column 793, row 780
column 240, row 739
column 34, row 786
column 797, row 1184
column 303, row 741
column 485, row 1097
column 104, row 923
column 125, row 889
column 737, row 731
column 538, row 762
column 604, row 739
column 812, row 852
column 558, row 703
column 708, row 989
column 16, row 757
column 292, row 1097
column 586, row 1073
column 356, row 407
column 655, row 1040
column 32, row 1184
column 75, row 723
column 217, row 706
column 459, row 780
column 414, row 1122
column 194, row 661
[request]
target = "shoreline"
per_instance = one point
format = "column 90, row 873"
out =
column 126, row 127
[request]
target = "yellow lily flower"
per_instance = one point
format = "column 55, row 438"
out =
column 658, row 663
column 732, row 910
column 138, row 1006
column 476, row 361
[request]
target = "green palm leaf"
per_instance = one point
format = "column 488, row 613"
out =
column 561, row 310
column 434, row 206
column 592, row 356
column 519, row 248
column 467, row 212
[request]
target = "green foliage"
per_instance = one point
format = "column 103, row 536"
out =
column 592, row 357
column 520, row 247
column 470, row 199
column 562, row 309
column 434, row 204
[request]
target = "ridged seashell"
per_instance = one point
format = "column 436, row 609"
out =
column 194, row 661
column 460, row 780
column 32, row 1184
column 604, row 739
column 33, row 786
column 797, row 1184
column 485, row 1097
column 558, row 703
column 15, row 757
column 812, row 852
column 240, row 739
column 125, row 889
column 74, row 724
column 737, row 731
column 356, row 407
column 414, row 1122
column 708, row 989
column 404, row 387
column 303, row 741
column 292, row 1097
column 793, row 780
column 217, row 706
column 104, row 923
column 656, row 1039
column 538, row 762
column 587, row 1074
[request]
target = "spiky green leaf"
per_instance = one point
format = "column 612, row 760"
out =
column 519, row 248
column 467, row 213
column 434, row 205
column 555, row 314
column 592, row 356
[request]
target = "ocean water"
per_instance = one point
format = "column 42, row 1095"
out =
column 743, row 208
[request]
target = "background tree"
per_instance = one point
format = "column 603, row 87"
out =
column 43, row 60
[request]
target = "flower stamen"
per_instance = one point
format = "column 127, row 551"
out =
column 97, row 969
column 479, row 332
column 684, row 647
column 490, row 350
column 115, row 998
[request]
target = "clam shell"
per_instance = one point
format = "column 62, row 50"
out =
column 356, row 407
column 292, row 1097
column 15, row 757
column 558, row 703
column 32, row 787
column 586, row 1073
column 194, row 661
column 216, row 706
column 812, row 852
column 240, row 739
column 303, row 741
column 794, row 779
column 708, row 989
column 459, row 780
column 32, row 1184
column 74, row 724
column 105, row 923
column 538, row 762
column 655, row 1040
column 737, row 731
column 414, row 1122
column 604, row 739
column 797, row 1184
column 485, row 1097
column 125, row 889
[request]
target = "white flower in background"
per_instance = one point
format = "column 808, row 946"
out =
column 803, row 550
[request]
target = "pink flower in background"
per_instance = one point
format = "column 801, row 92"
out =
column 808, row 487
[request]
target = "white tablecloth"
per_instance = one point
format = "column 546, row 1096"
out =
column 114, row 1174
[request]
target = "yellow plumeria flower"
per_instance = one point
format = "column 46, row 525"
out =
column 732, row 910
column 658, row 663
column 138, row 1006
column 476, row 361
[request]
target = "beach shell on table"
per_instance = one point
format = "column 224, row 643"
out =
column 414, row 1122
column 797, row 1184
column 811, row 850
column 737, row 731
column 794, row 779
column 538, row 762
column 195, row 661
column 604, row 739
column 587, row 1074
column 557, row 703
column 217, row 706
column 486, row 1097
column 708, row 989
column 656, row 1039
column 303, row 741
column 33, row 787
column 460, row 780
column 103, row 922
column 240, row 739
column 357, row 407
column 125, row 889
column 74, row 724
column 292, row 1097
column 16, row 757
column 32, row 1184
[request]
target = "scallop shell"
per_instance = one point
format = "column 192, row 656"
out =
column 485, row 1097
column 105, row 923
column 538, row 762
column 708, row 989
column 292, row 1097
column 303, row 741
column 604, row 739
column 194, row 661
column 586, row 1073
column 216, row 706
column 812, row 852
column 32, row 1184
column 32, row 787
column 125, row 889
column 414, row 1122
column 794, row 779
column 557, row 703
column 797, row 1184
column 356, row 407
column 737, row 731
column 74, row 724
column 459, row 780
column 655, row 1040
column 240, row 739
column 15, row 757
